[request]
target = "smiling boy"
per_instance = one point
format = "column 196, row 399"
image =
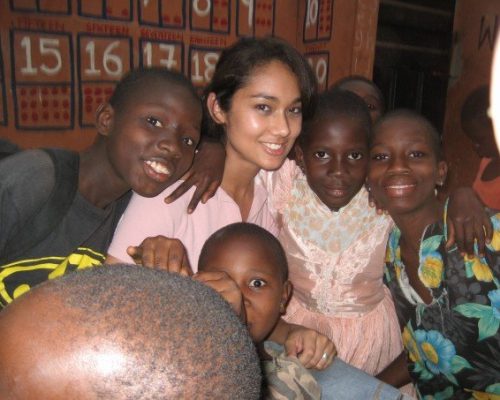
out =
column 146, row 140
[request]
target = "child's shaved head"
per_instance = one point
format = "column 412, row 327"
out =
column 125, row 332
column 425, row 125
column 264, row 241
column 140, row 80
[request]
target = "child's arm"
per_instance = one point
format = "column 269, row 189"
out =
column 313, row 349
column 226, row 287
column 205, row 173
column 468, row 222
column 159, row 252
column 396, row 373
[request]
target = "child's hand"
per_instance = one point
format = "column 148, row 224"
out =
column 372, row 202
column 205, row 173
column 313, row 349
column 467, row 221
column 226, row 287
column 161, row 253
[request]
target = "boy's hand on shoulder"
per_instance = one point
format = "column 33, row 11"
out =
column 205, row 173
column 313, row 349
column 467, row 222
column 226, row 287
column 162, row 253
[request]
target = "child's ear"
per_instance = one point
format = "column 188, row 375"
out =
column 105, row 118
column 442, row 172
column 299, row 157
column 285, row 296
column 215, row 110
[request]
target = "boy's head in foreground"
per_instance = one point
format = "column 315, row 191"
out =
column 255, row 260
column 150, row 129
column 124, row 332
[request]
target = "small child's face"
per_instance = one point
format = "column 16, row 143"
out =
column 404, row 169
column 252, row 268
column 369, row 96
column 335, row 158
column 152, row 141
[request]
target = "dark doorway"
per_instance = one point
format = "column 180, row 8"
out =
column 412, row 56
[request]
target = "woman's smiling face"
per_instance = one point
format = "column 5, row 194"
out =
column 404, row 167
column 265, row 116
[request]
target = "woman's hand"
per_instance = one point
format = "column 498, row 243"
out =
column 226, row 287
column 205, row 173
column 467, row 222
column 161, row 253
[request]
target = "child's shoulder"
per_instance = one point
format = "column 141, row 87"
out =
column 29, row 171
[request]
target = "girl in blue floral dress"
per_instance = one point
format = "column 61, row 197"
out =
column 448, row 305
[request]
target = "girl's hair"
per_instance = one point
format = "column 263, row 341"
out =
column 237, row 63
column 335, row 103
column 425, row 124
column 341, row 84
column 138, row 78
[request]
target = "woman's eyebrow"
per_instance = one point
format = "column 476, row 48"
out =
column 272, row 98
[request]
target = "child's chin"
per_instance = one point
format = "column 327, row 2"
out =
column 151, row 191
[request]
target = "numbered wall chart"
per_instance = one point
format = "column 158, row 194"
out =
column 61, row 59
column 42, row 89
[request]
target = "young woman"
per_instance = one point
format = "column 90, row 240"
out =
column 448, row 305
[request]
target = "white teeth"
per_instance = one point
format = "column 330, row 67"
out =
column 273, row 146
column 399, row 186
column 158, row 167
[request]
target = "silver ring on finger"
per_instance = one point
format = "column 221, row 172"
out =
column 324, row 356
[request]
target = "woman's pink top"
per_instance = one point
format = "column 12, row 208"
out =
column 336, row 264
column 146, row 217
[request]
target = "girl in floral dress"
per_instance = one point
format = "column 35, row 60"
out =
column 448, row 305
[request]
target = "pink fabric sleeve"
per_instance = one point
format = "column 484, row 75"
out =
column 282, row 182
column 146, row 217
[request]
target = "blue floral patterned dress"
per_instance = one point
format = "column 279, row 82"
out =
column 453, row 344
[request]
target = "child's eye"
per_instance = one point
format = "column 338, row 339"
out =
column 257, row 283
column 297, row 110
column 154, row 121
column 417, row 154
column 355, row 155
column 322, row 155
column 188, row 141
column 380, row 157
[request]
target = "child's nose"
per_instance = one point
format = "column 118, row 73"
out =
column 398, row 164
column 170, row 145
column 337, row 167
